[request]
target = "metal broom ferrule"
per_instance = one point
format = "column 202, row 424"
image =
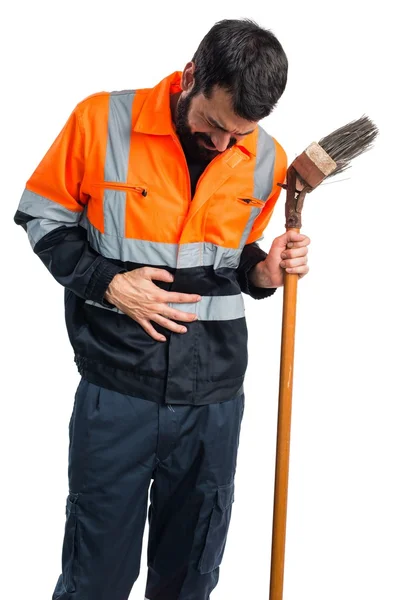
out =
column 305, row 173
column 314, row 165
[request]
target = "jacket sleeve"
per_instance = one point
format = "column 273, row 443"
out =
column 252, row 253
column 51, row 211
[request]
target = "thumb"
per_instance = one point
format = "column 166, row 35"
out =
column 159, row 275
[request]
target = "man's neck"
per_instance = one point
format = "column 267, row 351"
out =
column 174, row 105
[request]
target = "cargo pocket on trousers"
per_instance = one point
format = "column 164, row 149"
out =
column 214, row 547
column 70, row 545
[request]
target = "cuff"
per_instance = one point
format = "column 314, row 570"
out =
column 255, row 292
column 251, row 256
column 101, row 279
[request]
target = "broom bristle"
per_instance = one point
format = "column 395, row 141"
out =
column 349, row 141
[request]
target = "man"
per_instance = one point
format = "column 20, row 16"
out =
column 147, row 208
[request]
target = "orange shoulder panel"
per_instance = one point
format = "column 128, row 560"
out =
column 60, row 174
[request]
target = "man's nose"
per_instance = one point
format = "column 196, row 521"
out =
column 221, row 140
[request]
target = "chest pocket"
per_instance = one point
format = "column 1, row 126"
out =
column 254, row 207
column 230, row 220
column 107, row 209
column 116, row 200
column 138, row 211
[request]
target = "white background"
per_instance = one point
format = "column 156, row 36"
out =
column 343, row 520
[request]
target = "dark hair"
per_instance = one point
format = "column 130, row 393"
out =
column 246, row 60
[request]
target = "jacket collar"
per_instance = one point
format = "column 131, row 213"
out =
column 155, row 116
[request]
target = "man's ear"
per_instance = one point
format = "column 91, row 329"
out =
column 187, row 80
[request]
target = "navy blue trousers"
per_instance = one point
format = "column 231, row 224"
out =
column 120, row 449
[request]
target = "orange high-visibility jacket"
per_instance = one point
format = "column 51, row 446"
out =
column 113, row 194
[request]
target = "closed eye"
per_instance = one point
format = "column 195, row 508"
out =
column 216, row 125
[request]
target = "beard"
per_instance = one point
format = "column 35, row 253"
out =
column 191, row 142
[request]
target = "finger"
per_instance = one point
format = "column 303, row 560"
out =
column 157, row 274
column 177, row 315
column 148, row 327
column 290, row 239
column 171, row 325
column 295, row 253
column 179, row 298
column 294, row 236
column 294, row 262
column 297, row 243
column 303, row 270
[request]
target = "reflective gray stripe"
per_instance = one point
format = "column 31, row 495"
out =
column 210, row 308
column 38, row 228
column 263, row 177
column 131, row 250
column 264, row 171
column 38, row 206
column 255, row 211
column 215, row 308
column 159, row 254
column 84, row 222
column 114, row 203
column 119, row 135
column 117, row 160
column 205, row 254
column 48, row 215
column 105, row 307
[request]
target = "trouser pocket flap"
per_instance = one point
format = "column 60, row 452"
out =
column 214, row 546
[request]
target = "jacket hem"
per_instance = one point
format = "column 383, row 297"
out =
column 154, row 387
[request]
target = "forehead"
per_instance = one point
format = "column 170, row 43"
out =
column 219, row 108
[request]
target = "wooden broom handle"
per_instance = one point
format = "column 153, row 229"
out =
column 283, row 435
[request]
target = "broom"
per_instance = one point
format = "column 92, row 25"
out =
column 332, row 155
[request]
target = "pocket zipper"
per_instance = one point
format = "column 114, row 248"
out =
column 114, row 185
column 252, row 202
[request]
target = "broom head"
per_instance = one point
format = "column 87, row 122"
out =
column 334, row 152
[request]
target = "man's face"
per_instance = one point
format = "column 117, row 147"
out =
column 208, row 126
